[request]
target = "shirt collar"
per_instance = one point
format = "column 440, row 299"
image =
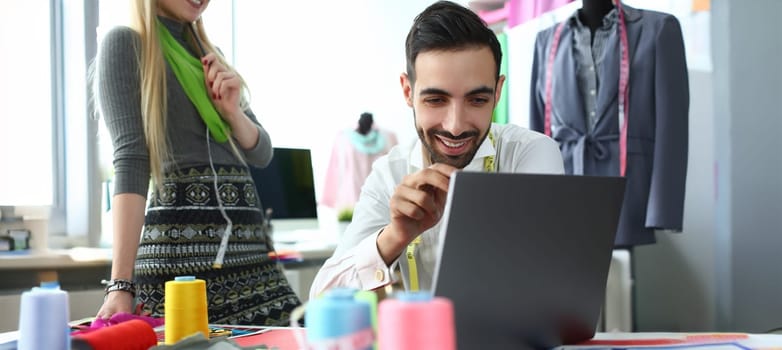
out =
column 486, row 149
column 631, row 15
column 608, row 20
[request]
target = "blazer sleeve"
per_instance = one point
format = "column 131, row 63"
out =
column 666, row 194
column 536, row 103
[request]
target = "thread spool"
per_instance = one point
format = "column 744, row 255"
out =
column 416, row 320
column 128, row 335
column 371, row 298
column 43, row 318
column 338, row 320
column 185, row 308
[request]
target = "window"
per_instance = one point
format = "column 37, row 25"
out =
column 45, row 131
column 27, row 178
column 57, row 159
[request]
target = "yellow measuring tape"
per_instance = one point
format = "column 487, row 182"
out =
column 411, row 262
column 488, row 166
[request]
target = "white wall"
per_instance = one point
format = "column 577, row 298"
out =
column 723, row 272
column 313, row 67
column 747, row 92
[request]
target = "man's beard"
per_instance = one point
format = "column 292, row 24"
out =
column 458, row 162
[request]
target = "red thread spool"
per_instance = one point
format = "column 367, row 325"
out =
column 129, row 335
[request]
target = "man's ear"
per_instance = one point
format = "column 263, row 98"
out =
column 407, row 89
column 498, row 90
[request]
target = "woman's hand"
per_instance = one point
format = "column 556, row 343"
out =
column 224, row 87
column 115, row 302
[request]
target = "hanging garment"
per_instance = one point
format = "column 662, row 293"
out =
column 521, row 11
column 657, row 102
column 350, row 163
column 521, row 46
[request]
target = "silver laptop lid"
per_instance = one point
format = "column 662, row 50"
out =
column 525, row 257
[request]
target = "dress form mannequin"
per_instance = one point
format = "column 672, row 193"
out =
column 352, row 156
column 593, row 11
column 582, row 114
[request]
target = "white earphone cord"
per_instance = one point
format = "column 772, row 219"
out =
column 229, row 224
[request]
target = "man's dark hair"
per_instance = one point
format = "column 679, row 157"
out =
column 446, row 25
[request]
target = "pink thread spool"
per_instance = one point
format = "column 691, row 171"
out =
column 416, row 320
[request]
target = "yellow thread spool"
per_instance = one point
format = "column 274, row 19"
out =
column 185, row 308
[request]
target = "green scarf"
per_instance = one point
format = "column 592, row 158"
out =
column 190, row 73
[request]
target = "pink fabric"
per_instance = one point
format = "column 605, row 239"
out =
column 520, row 11
column 347, row 170
column 495, row 16
column 118, row 318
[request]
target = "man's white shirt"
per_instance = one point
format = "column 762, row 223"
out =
column 356, row 261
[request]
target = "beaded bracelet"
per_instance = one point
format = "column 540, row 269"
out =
column 116, row 284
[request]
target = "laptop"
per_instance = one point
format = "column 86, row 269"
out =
column 525, row 257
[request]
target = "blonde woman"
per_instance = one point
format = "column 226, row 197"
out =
column 176, row 114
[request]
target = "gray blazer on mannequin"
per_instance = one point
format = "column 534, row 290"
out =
column 657, row 122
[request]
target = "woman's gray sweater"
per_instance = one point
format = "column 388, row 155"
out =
column 119, row 100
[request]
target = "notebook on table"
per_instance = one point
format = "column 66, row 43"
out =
column 525, row 257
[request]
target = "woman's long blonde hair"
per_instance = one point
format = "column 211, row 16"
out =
column 152, row 74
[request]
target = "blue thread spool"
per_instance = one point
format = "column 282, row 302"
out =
column 43, row 318
column 337, row 317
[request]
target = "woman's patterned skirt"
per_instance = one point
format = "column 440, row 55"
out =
column 181, row 236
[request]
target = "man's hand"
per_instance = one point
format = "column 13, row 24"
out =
column 416, row 205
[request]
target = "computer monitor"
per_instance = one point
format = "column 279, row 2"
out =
column 286, row 186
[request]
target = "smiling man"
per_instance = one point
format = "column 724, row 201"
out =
column 452, row 85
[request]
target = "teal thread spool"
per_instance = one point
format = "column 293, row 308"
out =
column 341, row 317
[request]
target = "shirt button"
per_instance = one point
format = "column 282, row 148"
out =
column 592, row 113
column 379, row 275
column 592, row 92
column 591, row 68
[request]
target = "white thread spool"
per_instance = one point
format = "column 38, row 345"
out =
column 43, row 318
